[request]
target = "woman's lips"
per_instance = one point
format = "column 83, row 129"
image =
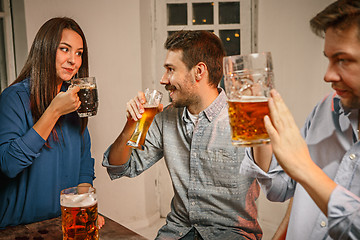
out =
column 69, row 70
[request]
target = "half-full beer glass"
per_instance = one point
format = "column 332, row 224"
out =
column 248, row 81
column 88, row 96
column 79, row 213
column 153, row 99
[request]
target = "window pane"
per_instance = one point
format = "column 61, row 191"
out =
column 203, row 13
column 177, row 14
column 3, row 75
column 229, row 12
column 231, row 41
column 1, row 6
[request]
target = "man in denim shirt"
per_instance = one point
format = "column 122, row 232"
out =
column 211, row 200
column 322, row 171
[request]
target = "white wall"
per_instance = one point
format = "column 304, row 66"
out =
column 297, row 53
column 119, row 40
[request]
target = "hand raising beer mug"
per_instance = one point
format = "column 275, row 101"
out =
column 248, row 81
column 88, row 96
column 79, row 213
column 153, row 99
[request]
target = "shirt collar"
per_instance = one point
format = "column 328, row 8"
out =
column 212, row 110
column 339, row 109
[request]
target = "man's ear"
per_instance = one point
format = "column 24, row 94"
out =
column 200, row 71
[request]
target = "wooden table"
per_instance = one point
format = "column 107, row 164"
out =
column 51, row 230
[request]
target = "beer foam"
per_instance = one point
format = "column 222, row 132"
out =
column 146, row 105
column 87, row 85
column 250, row 99
column 78, row 200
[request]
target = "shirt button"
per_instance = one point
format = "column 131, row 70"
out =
column 352, row 156
column 323, row 224
column 181, row 234
column 195, row 225
column 193, row 203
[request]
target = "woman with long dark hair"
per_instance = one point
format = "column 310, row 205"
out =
column 44, row 145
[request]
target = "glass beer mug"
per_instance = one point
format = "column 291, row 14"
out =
column 88, row 96
column 79, row 212
column 248, row 81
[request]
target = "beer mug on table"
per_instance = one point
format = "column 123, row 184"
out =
column 79, row 213
column 248, row 81
column 88, row 96
column 153, row 99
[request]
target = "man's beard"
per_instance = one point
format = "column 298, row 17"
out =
column 190, row 99
column 354, row 103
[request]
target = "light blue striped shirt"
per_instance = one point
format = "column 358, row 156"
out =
column 209, row 193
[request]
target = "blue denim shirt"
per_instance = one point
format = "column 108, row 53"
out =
column 332, row 139
column 209, row 193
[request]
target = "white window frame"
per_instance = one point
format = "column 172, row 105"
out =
column 244, row 25
column 247, row 26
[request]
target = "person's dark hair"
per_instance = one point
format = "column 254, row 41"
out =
column 340, row 15
column 199, row 46
column 40, row 65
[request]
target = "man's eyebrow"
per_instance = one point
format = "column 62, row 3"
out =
column 167, row 65
column 334, row 55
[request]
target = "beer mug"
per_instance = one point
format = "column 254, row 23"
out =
column 248, row 81
column 88, row 96
column 153, row 99
column 79, row 213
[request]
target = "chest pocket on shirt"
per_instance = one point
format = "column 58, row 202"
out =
column 221, row 168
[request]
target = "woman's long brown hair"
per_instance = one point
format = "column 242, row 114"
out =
column 40, row 66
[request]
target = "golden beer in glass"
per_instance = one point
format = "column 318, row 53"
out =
column 246, row 120
column 153, row 99
column 137, row 139
column 248, row 81
column 79, row 212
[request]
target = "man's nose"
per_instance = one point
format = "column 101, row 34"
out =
column 331, row 74
column 164, row 79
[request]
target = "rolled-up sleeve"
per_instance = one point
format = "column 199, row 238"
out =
column 114, row 171
column 344, row 214
column 277, row 185
column 139, row 160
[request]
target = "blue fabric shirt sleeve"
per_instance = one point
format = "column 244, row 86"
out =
column 19, row 143
column 87, row 173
